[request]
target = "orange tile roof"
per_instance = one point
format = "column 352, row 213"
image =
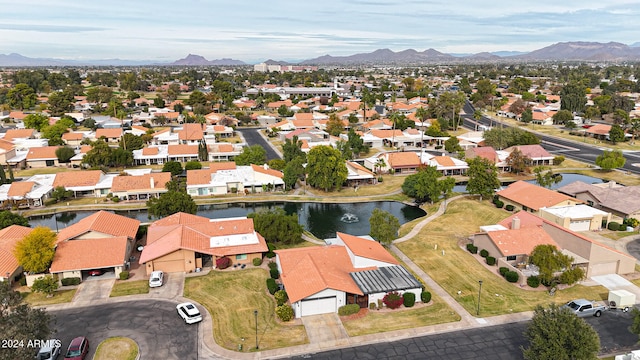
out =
column 531, row 151
column 101, row 222
column 307, row 271
column 18, row 134
column 520, row 241
column 223, row 165
column 222, row 148
column 403, row 159
column 9, row 237
column 89, row 254
column 599, row 129
column 386, row 134
column 271, row 172
column 526, row 218
column 6, row 145
column 486, row 152
column 146, row 182
column 182, row 149
column 359, row 167
column 533, row 196
column 85, row 149
column 72, row 136
column 444, row 160
column 302, row 123
column 150, row 151
column 218, row 128
column 42, row 153
column 199, row 176
column 18, row 115
column 169, row 115
column 304, row 117
column 77, row 178
column 20, row 188
column 191, row 132
column 109, row 133
column 370, row 249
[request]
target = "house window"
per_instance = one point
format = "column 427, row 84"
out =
column 511, row 258
column 49, row 162
column 589, row 202
column 241, row 257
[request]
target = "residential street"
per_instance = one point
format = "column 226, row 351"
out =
column 253, row 137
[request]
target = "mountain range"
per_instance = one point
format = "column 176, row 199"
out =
column 563, row 51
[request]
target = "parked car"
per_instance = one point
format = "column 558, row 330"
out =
column 48, row 353
column 96, row 272
column 78, row 349
column 189, row 313
column 156, row 279
column 584, row 308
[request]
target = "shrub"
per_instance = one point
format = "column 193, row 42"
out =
column 23, row 281
column 115, row 199
column 408, row 299
column 47, row 285
column 257, row 261
column 499, row 204
column 512, row 276
column 484, row 253
column 425, row 296
column 509, row 207
column 274, row 273
column 533, row 281
column 490, row 260
column 284, row 312
column 380, row 179
column 349, row 309
column 613, row 226
column 503, row 270
column 223, row 263
column 281, row 297
column 558, row 160
column 472, row 248
column 69, row 281
column 392, row 300
column 272, row 265
column 124, row 275
column 270, row 254
column 571, row 276
column 631, row 222
column 272, row 286
column 372, row 306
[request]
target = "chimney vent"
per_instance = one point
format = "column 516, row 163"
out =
column 515, row 223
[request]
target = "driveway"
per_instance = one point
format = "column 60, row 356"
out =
column 617, row 282
column 172, row 288
column 93, row 290
column 324, row 327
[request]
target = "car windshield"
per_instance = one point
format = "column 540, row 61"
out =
column 155, row 279
column 573, row 305
column 44, row 355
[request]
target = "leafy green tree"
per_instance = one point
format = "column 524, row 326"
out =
column 36, row 121
column 3, row 176
column 573, row 97
column 20, row 322
column 193, row 165
column 520, row 85
column 556, row 334
column 64, row 154
column 277, row 164
column 527, row 116
column 517, row 161
column 35, row 251
column 46, row 284
column 610, row 159
column 423, row 185
column 616, row 134
column 121, row 157
column 384, row 226
column 344, row 149
column 54, row 133
column 170, row 203
column 203, row 152
column 549, row 260
column 90, row 124
column 59, row 193
column 8, row 218
column 293, row 171
column 292, row 148
column 277, row 227
column 254, row 154
column 326, row 169
column 60, row 103
column 99, row 155
column 21, row 97
column 483, row 177
column 562, row 117
column 546, row 178
column 196, row 98
column 335, row 126
column 131, row 142
column 501, row 138
column 174, row 167
column 452, row 144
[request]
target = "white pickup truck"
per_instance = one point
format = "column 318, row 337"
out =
column 584, row 308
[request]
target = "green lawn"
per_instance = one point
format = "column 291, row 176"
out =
column 457, row 270
column 231, row 298
column 117, row 348
column 123, row 288
column 39, row 299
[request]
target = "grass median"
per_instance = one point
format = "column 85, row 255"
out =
column 231, row 298
column 458, row 272
column 124, row 288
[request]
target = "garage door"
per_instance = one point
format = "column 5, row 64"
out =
column 169, row 266
column 323, row 305
column 604, row 268
column 580, row 225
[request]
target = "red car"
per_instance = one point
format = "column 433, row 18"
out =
column 78, row 349
column 95, row 272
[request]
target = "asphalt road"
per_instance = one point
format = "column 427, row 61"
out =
column 154, row 325
column 495, row 342
column 253, row 137
column 569, row 149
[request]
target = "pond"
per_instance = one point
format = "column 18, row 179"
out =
column 320, row 219
column 567, row 178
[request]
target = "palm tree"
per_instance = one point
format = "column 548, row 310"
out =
column 634, row 128
column 379, row 164
column 422, row 114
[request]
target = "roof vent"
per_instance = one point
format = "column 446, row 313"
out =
column 515, row 223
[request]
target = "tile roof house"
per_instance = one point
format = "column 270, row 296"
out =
column 85, row 183
column 223, row 151
column 140, row 187
column 112, row 136
column 353, row 270
column 225, row 177
column 183, row 242
column 487, row 152
column 182, row 153
column 402, row 162
column 39, row 157
column 24, row 194
column 359, row 175
column 512, row 240
column 537, row 154
column 13, row 134
column 448, row 165
column 599, row 131
column 191, row 134
column 9, row 237
column 529, row 197
column 621, row 201
column 577, row 218
column 102, row 240
column 7, row 151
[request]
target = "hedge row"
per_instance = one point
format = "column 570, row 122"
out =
column 348, row 309
column 71, row 281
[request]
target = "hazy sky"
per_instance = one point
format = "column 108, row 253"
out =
column 254, row 31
